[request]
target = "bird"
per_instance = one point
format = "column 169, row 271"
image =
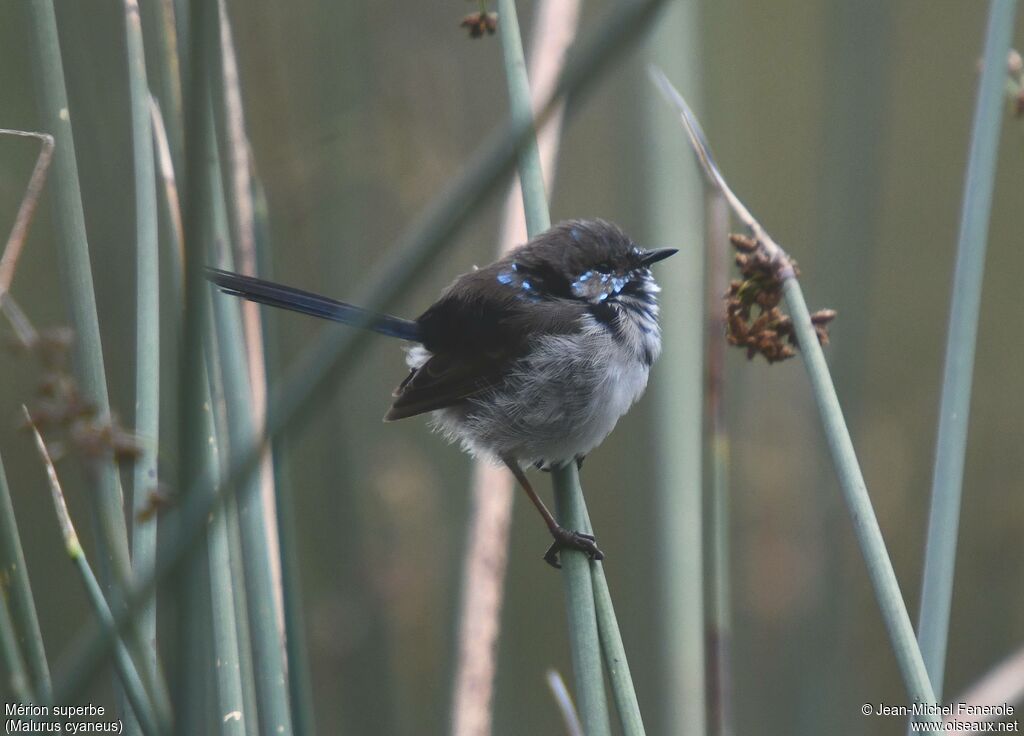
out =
column 529, row 361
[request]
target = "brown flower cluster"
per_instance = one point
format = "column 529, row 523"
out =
column 770, row 332
column 480, row 23
column 60, row 406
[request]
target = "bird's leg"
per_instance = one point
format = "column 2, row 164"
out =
column 564, row 538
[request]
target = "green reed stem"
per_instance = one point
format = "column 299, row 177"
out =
column 584, row 641
column 10, row 654
column 676, row 217
column 858, row 502
column 147, row 329
column 76, row 275
column 268, row 655
column 192, row 584
column 228, row 673
column 17, row 592
column 340, row 349
column 134, row 690
column 844, row 458
column 955, row 404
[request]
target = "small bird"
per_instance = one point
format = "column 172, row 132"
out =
column 528, row 361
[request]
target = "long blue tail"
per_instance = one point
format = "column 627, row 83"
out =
column 286, row 297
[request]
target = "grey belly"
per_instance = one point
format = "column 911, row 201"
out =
column 558, row 403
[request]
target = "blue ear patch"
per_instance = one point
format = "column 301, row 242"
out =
column 575, row 234
column 511, row 277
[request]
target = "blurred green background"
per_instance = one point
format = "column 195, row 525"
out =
column 843, row 126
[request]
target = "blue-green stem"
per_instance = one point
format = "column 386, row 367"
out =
column 192, row 593
column 340, row 349
column 955, row 404
column 10, row 655
column 235, row 209
column 844, row 458
column 858, row 502
column 675, row 218
column 719, row 624
column 268, row 660
column 17, row 592
column 128, row 675
column 76, row 275
column 228, row 674
column 584, row 640
column 147, row 331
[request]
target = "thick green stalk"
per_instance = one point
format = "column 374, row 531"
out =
column 147, row 327
column 851, row 480
column 719, row 624
column 160, row 36
column 76, row 274
column 10, row 654
column 228, row 674
column 18, row 594
column 192, row 583
column 531, row 177
column 858, row 502
column 268, row 660
column 235, row 209
column 583, row 636
column 623, row 692
column 340, row 349
column 300, row 684
column 238, row 627
column 955, row 404
column 134, row 690
column 675, row 215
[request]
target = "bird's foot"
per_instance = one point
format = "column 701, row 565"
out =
column 568, row 539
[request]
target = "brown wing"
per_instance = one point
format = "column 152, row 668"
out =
column 475, row 330
column 442, row 381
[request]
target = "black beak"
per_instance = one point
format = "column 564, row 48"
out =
column 658, row 254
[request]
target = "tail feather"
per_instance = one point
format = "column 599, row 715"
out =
column 296, row 300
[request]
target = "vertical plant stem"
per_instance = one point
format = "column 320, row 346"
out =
column 76, row 275
column 955, row 404
column 486, row 557
column 244, row 389
column 623, row 692
column 228, row 674
column 10, row 655
column 300, row 684
column 855, row 493
column 565, row 705
column 340, row 350
column 268, row 655
column 584, row 641
column 675, row 215
column 193, row 581
column 160, row 36
column 129, row 676
column 147, row 328
column 531, row 176
column 586, row 653
column 17, row 591
column 719, row 625
column 844, row 458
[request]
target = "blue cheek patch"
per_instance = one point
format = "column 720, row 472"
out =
column 511, row 277
column 575, row 233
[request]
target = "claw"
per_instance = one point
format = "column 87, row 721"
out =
column 568, row 539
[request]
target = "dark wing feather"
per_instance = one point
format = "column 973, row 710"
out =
column 475, row 331
column 442, row 381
